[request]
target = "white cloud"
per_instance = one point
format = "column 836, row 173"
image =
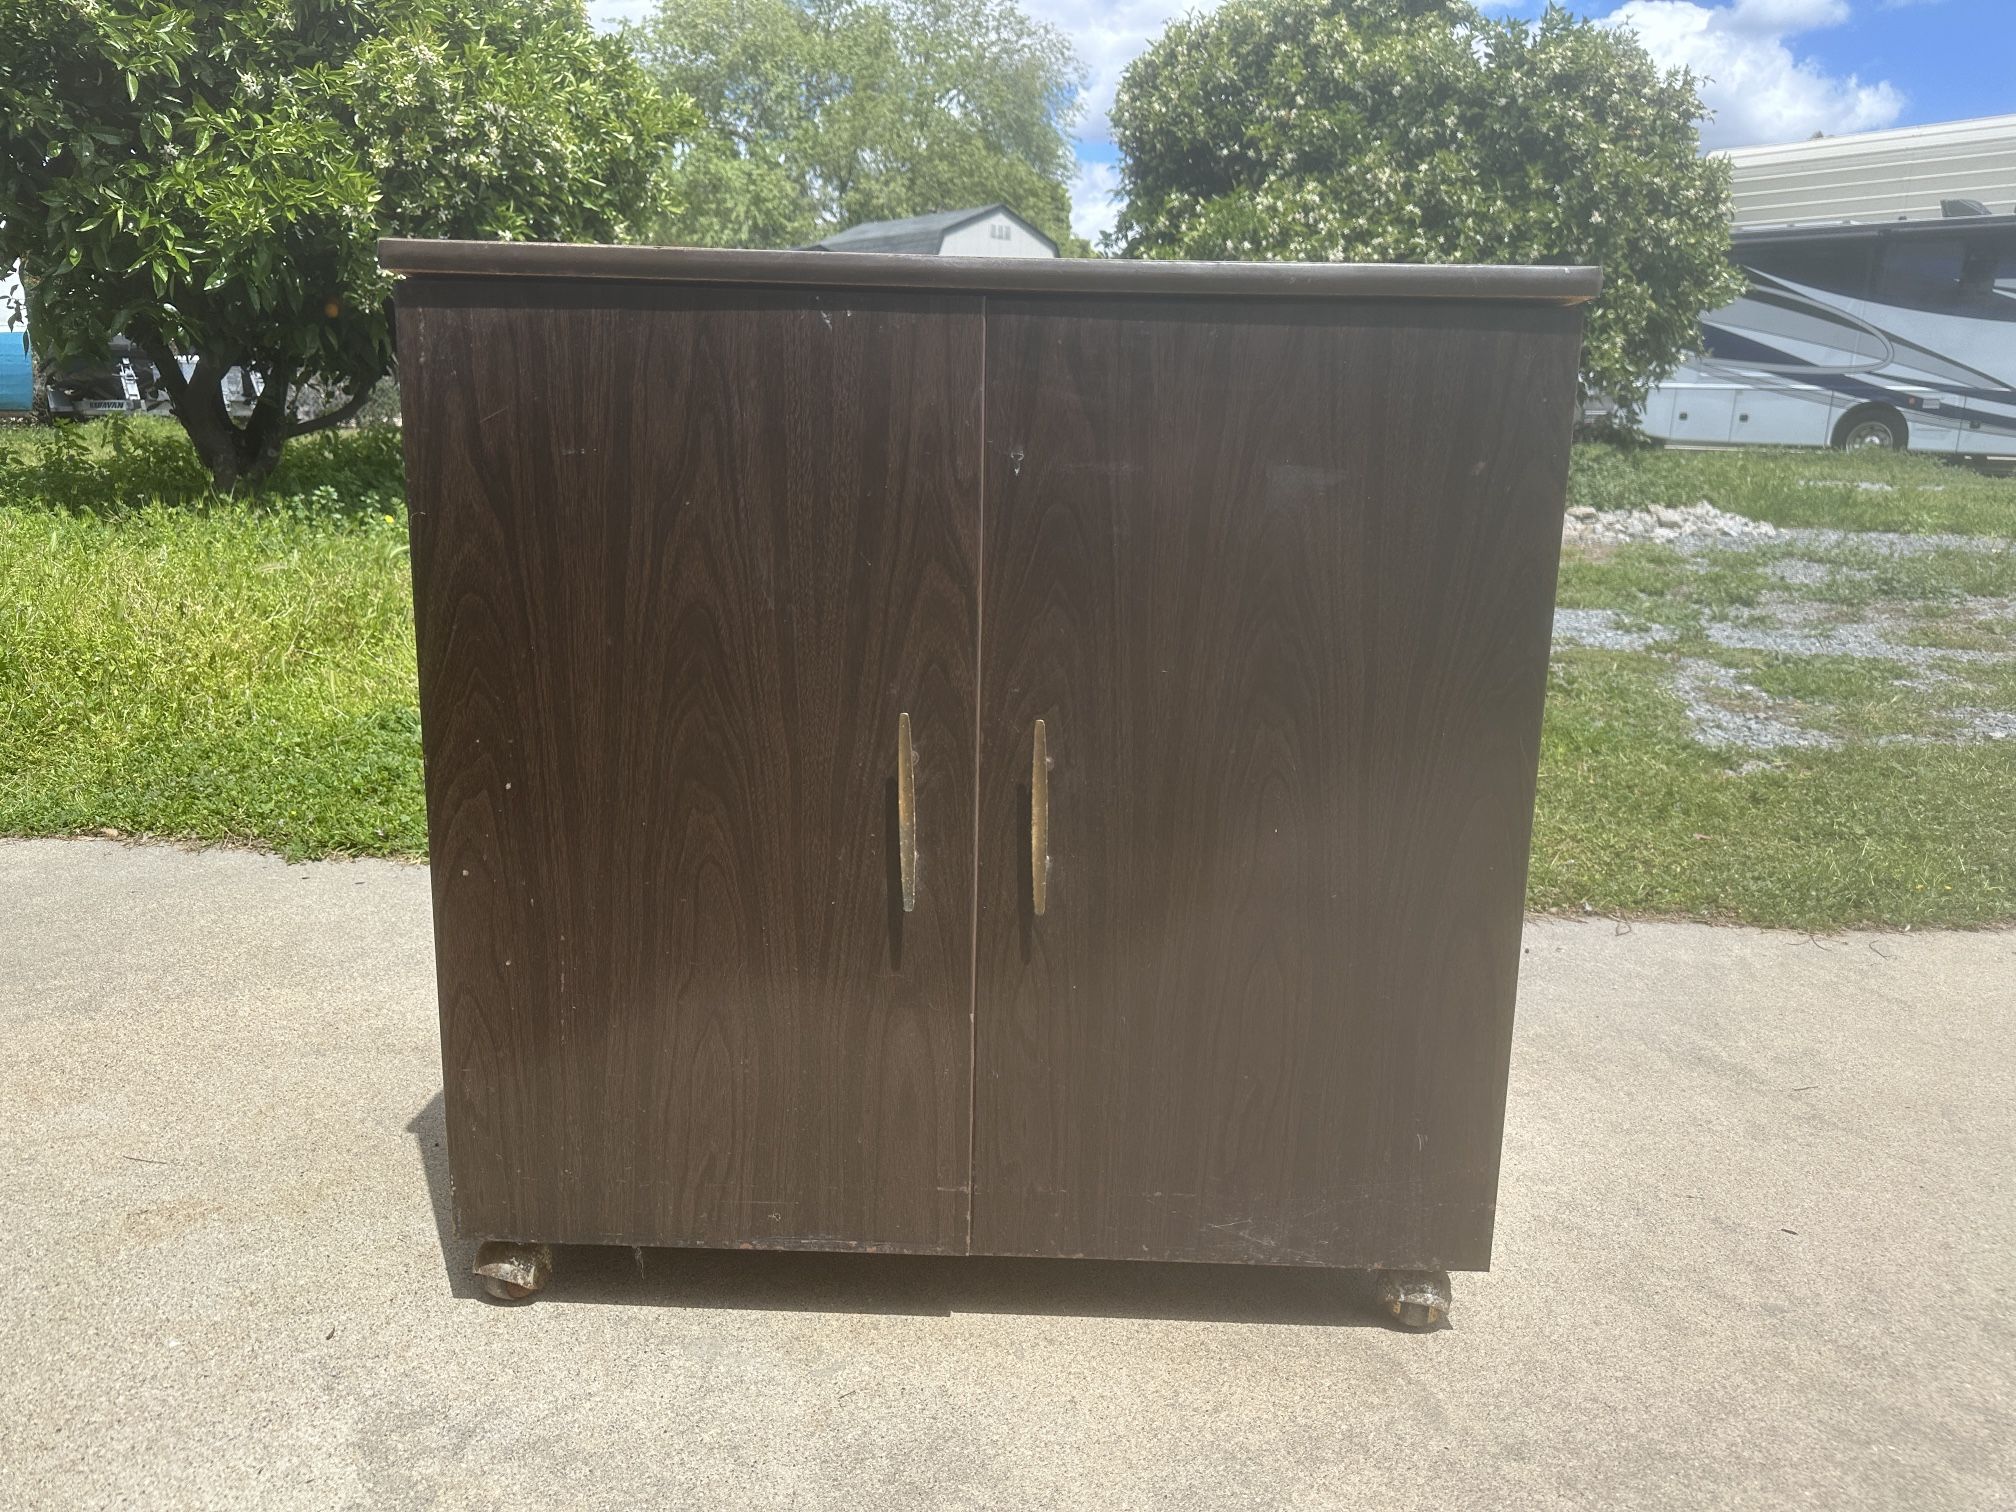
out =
column 607, row 13
column 1092, row 206
column 1759, row 90
column 1758, row 87
column 1108, row 35
column 1780, row 16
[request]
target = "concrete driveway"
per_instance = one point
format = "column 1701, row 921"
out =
column 1756, row 1248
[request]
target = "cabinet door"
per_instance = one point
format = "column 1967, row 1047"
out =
column 682, row 558
column 1278, row 581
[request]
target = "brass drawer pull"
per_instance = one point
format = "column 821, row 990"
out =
column 906, row 811
column 1039, row 821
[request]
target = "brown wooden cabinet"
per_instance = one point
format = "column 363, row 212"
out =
column 747, row 586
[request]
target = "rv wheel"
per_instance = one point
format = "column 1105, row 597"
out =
column 1874, row 425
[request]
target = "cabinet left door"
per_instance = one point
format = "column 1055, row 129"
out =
column 682, row 558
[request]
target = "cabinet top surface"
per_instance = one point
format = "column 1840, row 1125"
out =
column 987, row 275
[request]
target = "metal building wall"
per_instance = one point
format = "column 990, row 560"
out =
column 1878, row 175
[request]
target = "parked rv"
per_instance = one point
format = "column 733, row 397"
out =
column 1882, row 302
column 1900, row 335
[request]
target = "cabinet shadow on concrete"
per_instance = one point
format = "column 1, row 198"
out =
column 919, row 1285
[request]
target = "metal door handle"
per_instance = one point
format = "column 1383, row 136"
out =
column 906, row 811
column 1039, row 821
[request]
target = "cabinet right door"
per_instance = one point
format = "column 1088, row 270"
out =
column 1277, row 578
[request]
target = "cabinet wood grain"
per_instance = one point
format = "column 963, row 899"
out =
column 1278, row 581
column 936, row 755
column 682, row 557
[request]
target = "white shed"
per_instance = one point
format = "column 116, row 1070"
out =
column 990, row 231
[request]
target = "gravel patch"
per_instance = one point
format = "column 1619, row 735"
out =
column 1703, row 527
column 1805, row 628
column 1715, row 724
column 1724, row 710
column 1699, row 524
column 1599, row 628
column 1894, row 543
column 1803, row 572
column 1970, row 726
column 1863, row 485
column 1985, row 724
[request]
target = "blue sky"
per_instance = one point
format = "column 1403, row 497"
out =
column 1778, row 70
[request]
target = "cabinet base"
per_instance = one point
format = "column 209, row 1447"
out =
column 515, row 1272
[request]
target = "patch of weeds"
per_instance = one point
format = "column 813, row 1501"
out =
column 1617, row 577
column 1754, row 619
column 1654, row 585
column 1950, row 629
column 1614, row 691
column 1870, row 575
column 1977, row 684
column 1851, row 697
column 1730, row 580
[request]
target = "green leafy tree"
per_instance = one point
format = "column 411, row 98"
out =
column 1424, row 131
column 824, row 113
column 211, row 178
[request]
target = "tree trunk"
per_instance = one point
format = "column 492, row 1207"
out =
column 238, row 456
column 38, row 365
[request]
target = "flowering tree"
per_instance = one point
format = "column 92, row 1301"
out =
column 1424, row 131
column 822, row 113
column 211, row 179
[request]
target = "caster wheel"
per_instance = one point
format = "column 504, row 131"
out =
column 1416, row 1299
column 513, row 1272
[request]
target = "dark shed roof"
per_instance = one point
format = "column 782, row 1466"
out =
column 915, row 233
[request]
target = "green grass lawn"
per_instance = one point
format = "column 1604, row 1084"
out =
column 209, row 670
column 1635, row 818
column 1895, row 492
column 176, row 665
